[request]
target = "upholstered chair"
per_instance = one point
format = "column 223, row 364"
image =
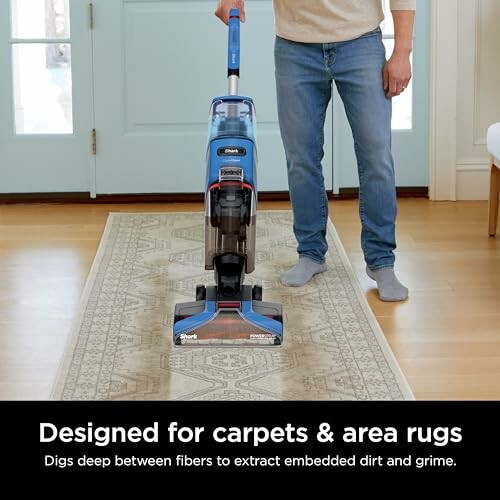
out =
column 493, row 143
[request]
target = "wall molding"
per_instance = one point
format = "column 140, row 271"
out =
column 473, row 167
column 443, row 100
column 458, row 169
column 478, row 138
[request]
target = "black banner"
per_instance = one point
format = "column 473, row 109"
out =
column 293, row 438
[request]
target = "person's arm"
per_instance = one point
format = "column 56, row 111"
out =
column 224, row 6
column 397, row 71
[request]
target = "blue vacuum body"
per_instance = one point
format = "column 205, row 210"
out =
column 229, row 312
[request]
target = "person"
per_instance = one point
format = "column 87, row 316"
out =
column 318, row 43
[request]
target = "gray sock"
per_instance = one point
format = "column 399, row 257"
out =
column 303, row 271
column 389, row 287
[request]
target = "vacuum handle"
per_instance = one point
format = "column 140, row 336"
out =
column 233, row 59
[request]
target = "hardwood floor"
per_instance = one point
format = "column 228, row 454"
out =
column 446, row 337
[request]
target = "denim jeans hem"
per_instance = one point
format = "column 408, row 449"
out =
column 310, row 257
column 383, row 266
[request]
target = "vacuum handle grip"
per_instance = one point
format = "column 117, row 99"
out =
column 233, row 60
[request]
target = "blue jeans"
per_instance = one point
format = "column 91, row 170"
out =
column 304, row 76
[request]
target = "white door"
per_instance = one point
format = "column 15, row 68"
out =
column 45, row 96
column 158, row 64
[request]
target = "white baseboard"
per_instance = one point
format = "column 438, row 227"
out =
column 473, row 182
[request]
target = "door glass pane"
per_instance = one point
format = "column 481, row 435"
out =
column 402, row 110
column 42, row 88
column 40, row 18
column 402, row 105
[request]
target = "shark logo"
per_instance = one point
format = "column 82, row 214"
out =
column 185, row 336
column 231, row 151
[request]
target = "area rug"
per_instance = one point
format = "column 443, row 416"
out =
column 121, row 347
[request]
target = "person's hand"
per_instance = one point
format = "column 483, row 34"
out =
column 397, row 74
column 224, row 6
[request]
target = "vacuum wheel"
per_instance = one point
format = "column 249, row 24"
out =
column 278, row 317
column 257, row 292
column 201, row 292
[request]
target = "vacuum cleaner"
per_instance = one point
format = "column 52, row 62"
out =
column 229, row 312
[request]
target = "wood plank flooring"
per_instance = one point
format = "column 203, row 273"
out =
column 446, row 337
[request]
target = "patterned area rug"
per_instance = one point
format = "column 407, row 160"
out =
column 122, row 348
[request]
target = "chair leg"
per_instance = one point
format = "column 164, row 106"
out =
column 494, row 194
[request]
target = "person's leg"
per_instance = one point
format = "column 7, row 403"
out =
column 303, row 88
column 357, row 71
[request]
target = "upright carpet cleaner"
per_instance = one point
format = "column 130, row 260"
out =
column 230, row 313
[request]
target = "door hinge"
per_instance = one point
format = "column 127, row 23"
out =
column 91, row 15
column 94, row 142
